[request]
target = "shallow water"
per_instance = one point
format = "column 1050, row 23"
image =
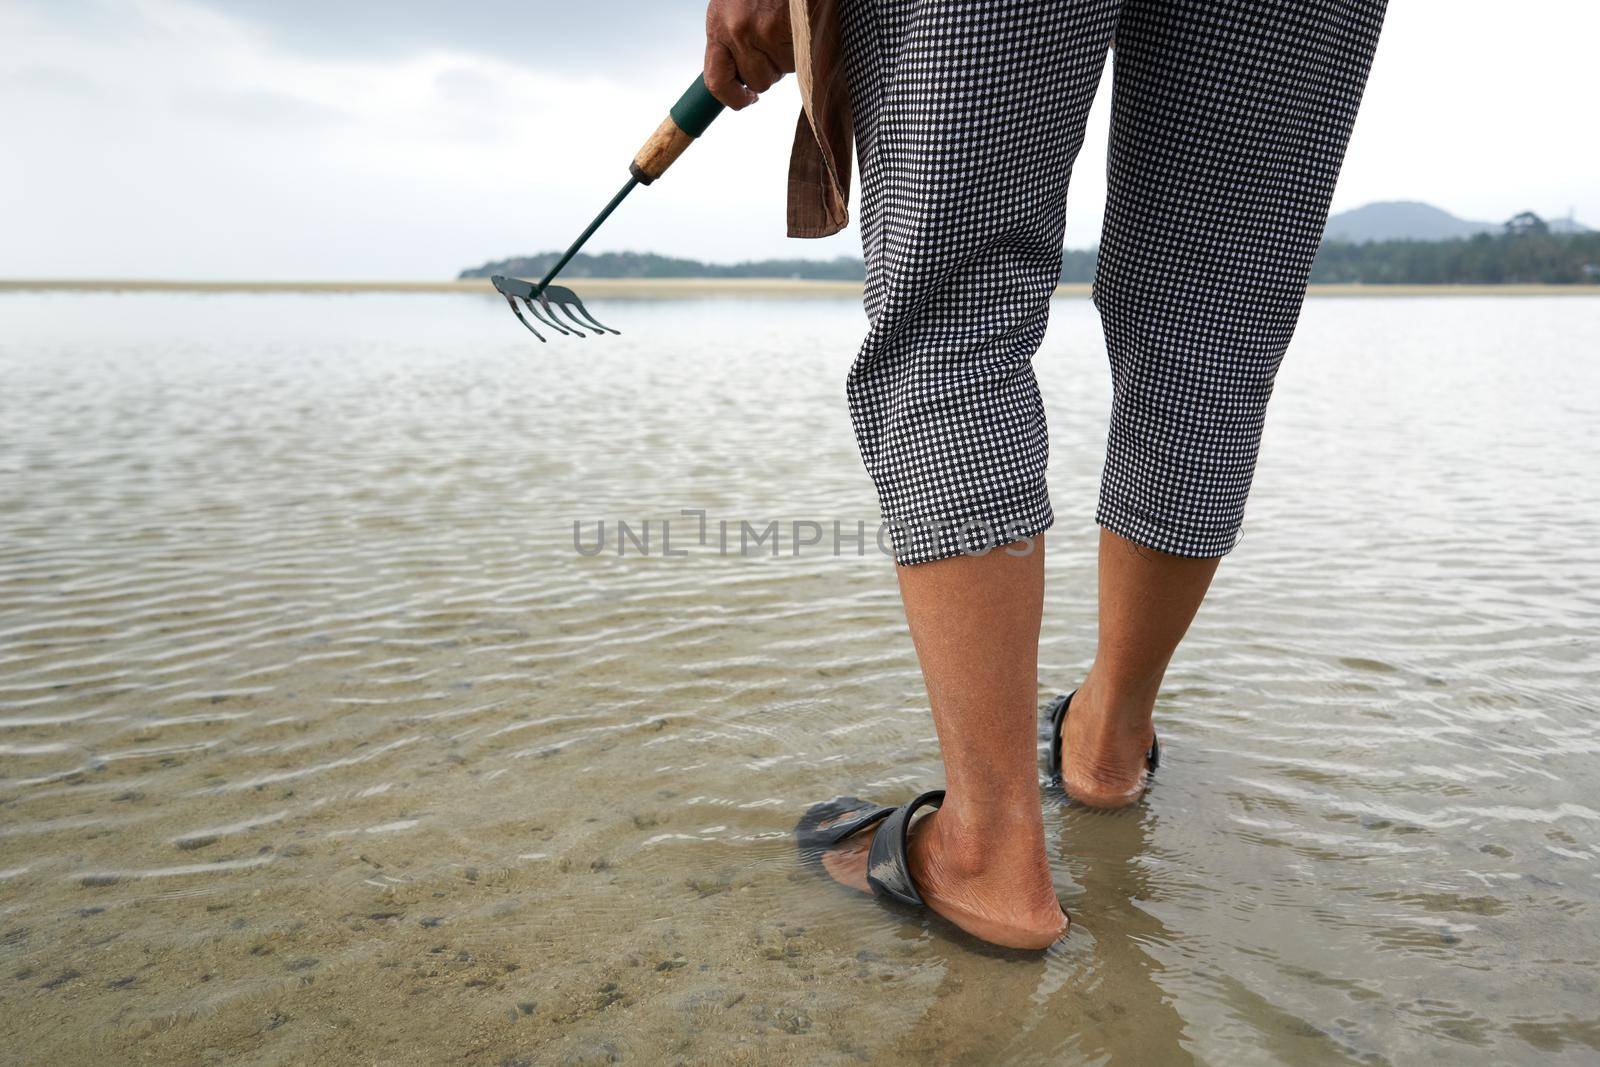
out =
column 319, row 740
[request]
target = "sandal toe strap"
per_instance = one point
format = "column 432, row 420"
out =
column 888, row 869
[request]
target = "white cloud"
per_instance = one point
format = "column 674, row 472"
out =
column 186, row 145
column 164, row 138
column 1483, row 109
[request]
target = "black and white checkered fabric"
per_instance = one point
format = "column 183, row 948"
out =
column 1229, row 124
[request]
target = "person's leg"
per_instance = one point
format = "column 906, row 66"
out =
column 968, row 121
column 1147, row 600
column 1229, row 124
column 980, row 859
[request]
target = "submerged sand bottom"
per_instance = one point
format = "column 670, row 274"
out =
column 321, row 742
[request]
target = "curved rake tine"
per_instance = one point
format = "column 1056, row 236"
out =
column 518, row 313
column 597, row 323
column 549, row 309
column 566, row 307
column 533, row 309
column 593, row 323
column 568, row 301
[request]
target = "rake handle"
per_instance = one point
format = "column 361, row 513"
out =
column 687, row 120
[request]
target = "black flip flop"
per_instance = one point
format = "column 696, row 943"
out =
column 830, row 823
column 1058, row 719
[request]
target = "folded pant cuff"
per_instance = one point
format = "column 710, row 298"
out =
column 975, row 531
column 1166, row 535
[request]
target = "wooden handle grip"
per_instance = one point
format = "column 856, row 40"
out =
column 660, row 151
column 688, row 119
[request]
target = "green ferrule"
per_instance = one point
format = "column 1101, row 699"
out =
column 696, row 108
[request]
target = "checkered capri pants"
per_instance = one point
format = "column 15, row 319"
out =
column 1229, row 123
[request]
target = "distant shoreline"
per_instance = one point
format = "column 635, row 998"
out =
column 688, row 287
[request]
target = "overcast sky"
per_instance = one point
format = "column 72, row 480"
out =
column 297, row 139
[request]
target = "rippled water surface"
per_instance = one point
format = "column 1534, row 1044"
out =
column 319, row 740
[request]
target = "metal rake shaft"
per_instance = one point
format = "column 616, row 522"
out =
column 687, row 120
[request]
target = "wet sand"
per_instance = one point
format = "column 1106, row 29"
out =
column 321, row 743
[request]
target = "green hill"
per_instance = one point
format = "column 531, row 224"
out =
column 1412, row 220
column 1526, row 249
column 650, row 265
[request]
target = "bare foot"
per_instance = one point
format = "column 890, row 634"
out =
column 991, row 888
column 1104, row 756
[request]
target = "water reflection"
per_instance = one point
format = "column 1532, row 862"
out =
column 318, row 740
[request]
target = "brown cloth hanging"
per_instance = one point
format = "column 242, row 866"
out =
column 819, row 162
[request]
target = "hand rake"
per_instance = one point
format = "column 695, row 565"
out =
column 688, row 119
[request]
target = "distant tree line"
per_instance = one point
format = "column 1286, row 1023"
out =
column 650, row 265
column 1525, row 252
column 1077, row 265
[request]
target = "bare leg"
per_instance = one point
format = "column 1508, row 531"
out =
column 980, row 860
column 1147, row 600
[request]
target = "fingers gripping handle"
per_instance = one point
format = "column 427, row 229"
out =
column 687, row 120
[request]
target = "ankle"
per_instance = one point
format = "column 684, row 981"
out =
column 973, row 840
column 1115, row 708
column 1107, row 743
column 996, row 887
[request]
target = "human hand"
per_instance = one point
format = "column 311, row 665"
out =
column 748, row 48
